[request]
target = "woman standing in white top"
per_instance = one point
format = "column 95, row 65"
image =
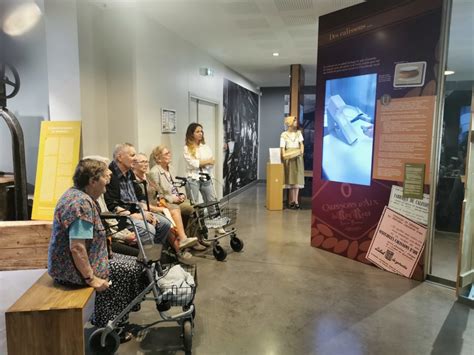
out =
column 292, row 149
column 199, row 159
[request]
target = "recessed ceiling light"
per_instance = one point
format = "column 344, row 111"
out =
column 449, row 72
column 276, row 54
column 22, row 19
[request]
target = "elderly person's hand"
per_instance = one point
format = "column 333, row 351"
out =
column 149, row 217
column 98, row 284
column 81, row 260
column 179, row 198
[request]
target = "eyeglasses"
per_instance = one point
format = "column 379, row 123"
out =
column 143, row 162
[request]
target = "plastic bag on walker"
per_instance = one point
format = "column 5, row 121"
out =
column 180, row 283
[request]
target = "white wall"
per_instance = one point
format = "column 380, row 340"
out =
column 134, row 67
column 28, row 54
column 47, row 60
column 167, row 71
column 93, row 78
column 113, row 69
column 271, row 120
column 119, row 46
column 63, row 60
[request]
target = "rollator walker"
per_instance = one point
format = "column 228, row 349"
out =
column 106, row 340
column 212, row 215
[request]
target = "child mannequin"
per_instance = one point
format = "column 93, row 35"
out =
column 292, row 149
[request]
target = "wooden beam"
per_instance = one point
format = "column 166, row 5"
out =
column 24, row 244
column 296, row 89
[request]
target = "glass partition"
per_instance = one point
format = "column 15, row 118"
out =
column 452, row 251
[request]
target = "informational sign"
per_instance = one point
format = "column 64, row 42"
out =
column 413, row 180
column 58, row 155
column 402, row 135
column 377, row 83
column 397, row 244
column 414, row 209
column 275, row 155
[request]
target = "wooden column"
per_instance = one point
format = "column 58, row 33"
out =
column 296, row 89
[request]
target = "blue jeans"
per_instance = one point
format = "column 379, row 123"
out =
column 194, row 187
column 157, row 233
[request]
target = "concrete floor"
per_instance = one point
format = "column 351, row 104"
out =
column 280, row 296
column 444, row 262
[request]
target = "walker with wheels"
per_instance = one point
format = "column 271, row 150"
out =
column 106, row 340
column 215, row 216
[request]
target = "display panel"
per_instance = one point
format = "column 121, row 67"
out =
column 349, row 118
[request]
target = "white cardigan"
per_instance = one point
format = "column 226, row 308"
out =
column 203, row 152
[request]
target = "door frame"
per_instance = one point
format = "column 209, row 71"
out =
column 436, row 144
column 465, row 278
column 218, row 171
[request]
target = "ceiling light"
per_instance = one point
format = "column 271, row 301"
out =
column 21, row 19
column 449, row 72
column 276, row 54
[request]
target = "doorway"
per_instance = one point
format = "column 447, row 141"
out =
column 204, row 112
column 452, row 253
column 451, row 184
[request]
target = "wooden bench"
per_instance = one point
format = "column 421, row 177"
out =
column 24, row 244
column 49, row 319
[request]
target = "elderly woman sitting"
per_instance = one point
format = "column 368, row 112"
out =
column 160, row 175
column 157, row 205
column 78, row 254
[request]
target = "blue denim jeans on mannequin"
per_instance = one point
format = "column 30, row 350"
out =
column 206, row 188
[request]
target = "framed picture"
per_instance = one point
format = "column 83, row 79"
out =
column 168, row 120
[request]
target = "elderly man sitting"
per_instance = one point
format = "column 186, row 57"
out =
column 122, row 196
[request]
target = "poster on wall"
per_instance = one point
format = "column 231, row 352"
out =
column 168, row 120
column 58, row 155
column 397, row 244
column 415, row 209
column 413, row 179
column 240, row 136
column 375, row 103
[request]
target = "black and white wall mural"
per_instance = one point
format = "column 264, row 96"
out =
column 240, row 136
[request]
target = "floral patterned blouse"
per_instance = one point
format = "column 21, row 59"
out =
column 75, row 204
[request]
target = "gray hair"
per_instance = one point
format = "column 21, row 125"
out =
column 119, row 148
column 98, row 158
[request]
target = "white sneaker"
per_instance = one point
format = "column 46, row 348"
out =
column 184, row 257
column 221, row 231
column 199, row 247
column 188, row 242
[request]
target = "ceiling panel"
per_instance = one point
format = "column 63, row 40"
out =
column 252, row 23
column 292, row 5
column 243, row 34
column 299, row 20
column 241, row 8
